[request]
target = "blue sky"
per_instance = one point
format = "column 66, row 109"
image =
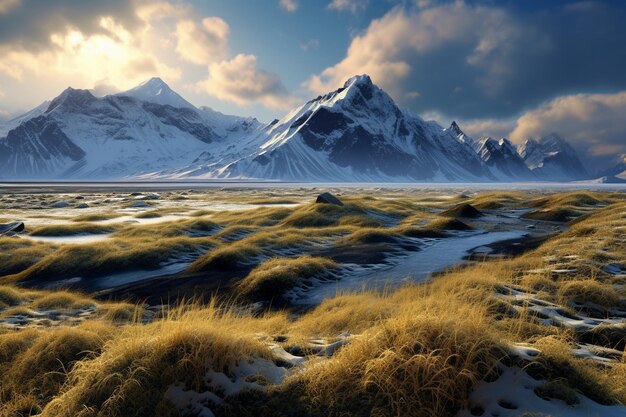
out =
column 500, row 68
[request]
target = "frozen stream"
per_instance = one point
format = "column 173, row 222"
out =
column 416, row 266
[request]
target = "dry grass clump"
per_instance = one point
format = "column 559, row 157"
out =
column 576, row 199
column 272, row 278
column 418, row 364
column 120, row 312
column 225, row 257
column 496, row 200
column 325, row 215
column 556, row 214
column 369, row 236
column 589, row 291
column 113, row 255
column 10, row 296
column 82, row 228
column 61, row 300
column 33, row 363
column 95, row 217
column 135, row 369
column 18, row 254
column 447, row 224
column 178, row 228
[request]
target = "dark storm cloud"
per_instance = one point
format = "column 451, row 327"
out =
column 28, row 24
column 478, row 60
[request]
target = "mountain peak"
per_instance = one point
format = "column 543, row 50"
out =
column 155, row 90
column 454, row 128
column 358, row 80
column 71, row 97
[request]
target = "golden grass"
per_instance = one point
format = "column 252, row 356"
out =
column 270, row 279
column 589, row 291
column 417, row 350
column 109, row 256
column 71, row 229
column 61, row 300
column 95, row 217
column 19, row 254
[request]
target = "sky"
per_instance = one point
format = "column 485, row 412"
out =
column 509, row 68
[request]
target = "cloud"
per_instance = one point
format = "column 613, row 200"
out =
column 352, row 6
column 202, row 43
column 7, row 5
column 496, row 128
column 593, row 122
column 289, row 5
column 111, row 54
column 475, row 60
column 27, row 24
column 240, row 81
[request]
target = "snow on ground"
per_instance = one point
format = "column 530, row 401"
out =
column 513, row 395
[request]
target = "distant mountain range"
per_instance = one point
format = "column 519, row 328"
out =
column 356, row 133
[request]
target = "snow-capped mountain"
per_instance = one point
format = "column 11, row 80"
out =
column 552, row 158
column 503, row 159
column 357, row 133
column 156, row 91
column 617, row 168
column 145, row 130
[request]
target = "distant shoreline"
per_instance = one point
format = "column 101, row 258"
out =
column 41, row 186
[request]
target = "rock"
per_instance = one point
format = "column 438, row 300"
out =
column 462, row 210
column 139, row 204
column 82, row 206
column 79, row 197
column 328, row 198
column 60, row 204
column 152, row 197
column 10, row 228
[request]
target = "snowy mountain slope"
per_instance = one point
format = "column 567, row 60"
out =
column 155, row 90
column 552, row 158
column 503, row 159
column 357, row 133
column 617, row 168
column 117, row 136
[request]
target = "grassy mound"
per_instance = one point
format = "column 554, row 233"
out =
column 447, row 224
column 270, row 279
column 82, row 228
column 558, row 214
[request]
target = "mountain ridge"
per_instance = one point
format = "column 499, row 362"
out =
column 354, row 133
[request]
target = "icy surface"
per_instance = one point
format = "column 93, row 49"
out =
column 416, row 266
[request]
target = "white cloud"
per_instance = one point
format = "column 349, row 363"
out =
column 592, row 121
column 289, row 5
column 115, row 55
column 240, row 81
column 202, row 43
column 352, row 6
column 496, row 128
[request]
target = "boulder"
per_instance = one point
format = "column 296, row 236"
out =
column 328, row 198
column 10, row 228
column 462, row 210
column 139, row 204
column 60, row 204
column 82, row 206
